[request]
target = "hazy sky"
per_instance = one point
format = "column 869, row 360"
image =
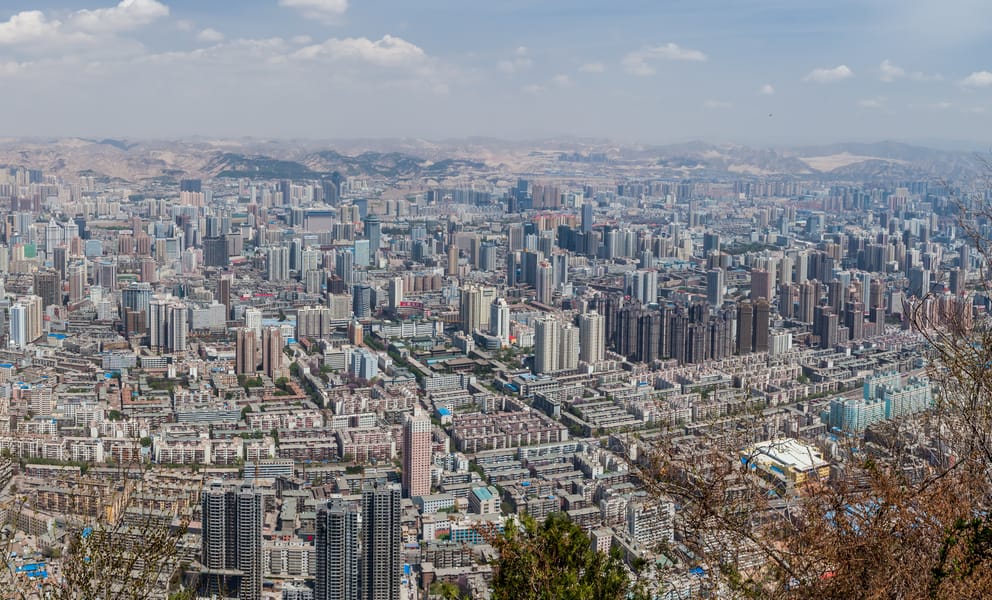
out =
column 758, row 71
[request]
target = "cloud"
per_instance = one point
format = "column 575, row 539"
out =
column 561, row 80
column 978, row 79
column 533, row 89
column 519, row 62
column 717, row 104
column 127, row 15
column 767, row 90
column 639, row 61
column 185, row 25
column 27, row 27
column 593, row 67
column 322, row 10
column 890, row 72
column 11, row 68
column 878, row 103
column 390, row 51
column 210, row 35
column 301, row 40
column 825, row 75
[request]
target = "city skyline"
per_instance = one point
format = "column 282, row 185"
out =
column 324, row 69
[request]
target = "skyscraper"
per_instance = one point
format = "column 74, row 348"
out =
column 246, row 352
column 470, row 309
column 745, row 327
column 277, row 263
column 48, row 286
column 592, row 337
column 380, row 568
column 715, row 287
column 18, row 325
column 77, row 281
column 373, row 231
column 499, row 320
column 587, row 217
column 545, row 283
column 546, row 345
column 568, row 347
column 337, row 552
column 231, row 547
column 272, row 351
column 416, row 456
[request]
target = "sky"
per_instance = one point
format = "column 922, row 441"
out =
column 762, row 72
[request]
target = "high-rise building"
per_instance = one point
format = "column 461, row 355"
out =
column 48, row 285
column 761, row 284
column 77, row 281
column 18, row 325
column 361, row 301
column 373, row 231
column 177, row 325
column 224, row 293
column 568, row 347
column 715, row 287
column 417, row 456
column 344, row 266
column 272, row 351
column 472, row 308
column 277, row 263
column 231, row 546
column 762, row 316
column 395, row 293
column 587, row 217
column 313, row 322
column 592, row 337
column 644, row 286
column 253, row 320
column 499, row 320
column 246, row 352
column 363, row 253
column 452, row 260
column 380, row 566
column 809, row 297
column 547, row 345
column 215, row 252
column 544, row 284
column 745, row 327
column 337, row 552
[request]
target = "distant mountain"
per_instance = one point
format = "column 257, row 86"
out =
column 167, row 161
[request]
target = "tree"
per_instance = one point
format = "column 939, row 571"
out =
column 554, row 560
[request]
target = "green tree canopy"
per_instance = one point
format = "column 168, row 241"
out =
column 555, row 561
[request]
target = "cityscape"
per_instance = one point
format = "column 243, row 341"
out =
column 363, row 368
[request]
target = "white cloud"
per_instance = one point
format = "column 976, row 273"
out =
column 593, row 67
column 890, row 72
column 767, row 90
column 27, row 27
column 561, row 80
column 184, row 25
column 519, row 62
column 301, row 40
column 716, row 104
column 533, row 89
column 877, row 103
column 11, row 68
column 940, row 105
column 390, row 51
column 127, row 15
column 978, row 79
column 322, row 10
column 639, row 61
column 826, row 75
column 210, row 35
